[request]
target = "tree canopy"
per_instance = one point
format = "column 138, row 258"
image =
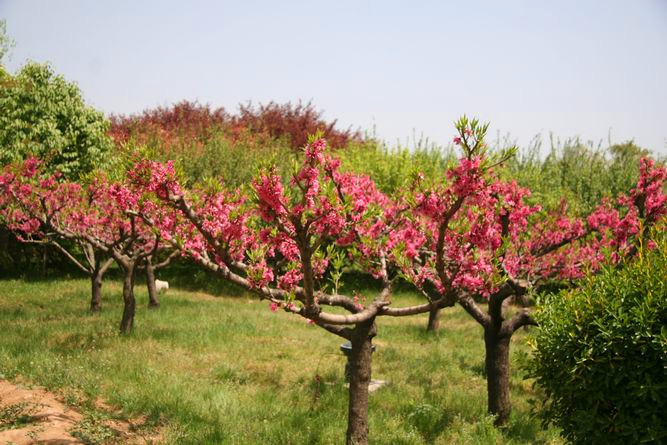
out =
column 44, row 115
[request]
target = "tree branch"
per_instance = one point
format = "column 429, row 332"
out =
column 338, row 330
column 475, row 312
column 167, row 260
column 417, row 309
column 511, row 287
column 440, row 243
column 521, row 318
column 106, row 264
column 548, row 249
column 338, row 300
column 86, row 270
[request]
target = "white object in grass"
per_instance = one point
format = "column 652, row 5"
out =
column 161, row 286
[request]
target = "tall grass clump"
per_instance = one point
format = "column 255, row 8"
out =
column 393, row 167
column 580, row 173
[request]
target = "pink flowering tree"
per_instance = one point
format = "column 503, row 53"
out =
column 31, row 207
column 109, row 221
column 289, row 242
column 476, row 238
column 101, row 217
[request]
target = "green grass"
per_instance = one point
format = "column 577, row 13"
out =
column 228, row 371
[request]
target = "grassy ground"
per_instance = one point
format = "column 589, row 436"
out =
column 228, row 371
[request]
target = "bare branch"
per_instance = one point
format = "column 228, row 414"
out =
column 338, row 300
column 550, row 248
column 88, row 252
column 86, row 270
column 511, row 287
column 106, row 264
column 167, row 260
column 440, row 243
column 475, row 312
column 364, row 315
column 338, row 330
column 417, row 309
column 521, row 318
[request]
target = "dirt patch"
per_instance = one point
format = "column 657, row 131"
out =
column 32, row 415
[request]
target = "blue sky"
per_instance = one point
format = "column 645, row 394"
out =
column 574, row 68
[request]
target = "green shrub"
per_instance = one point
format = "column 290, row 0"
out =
column 601, row 355
column 392, row 168
column 43, row 115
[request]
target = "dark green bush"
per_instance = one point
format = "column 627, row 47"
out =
column 601, row 355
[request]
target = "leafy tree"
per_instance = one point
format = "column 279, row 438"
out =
column 294, row 121
column 45, row 116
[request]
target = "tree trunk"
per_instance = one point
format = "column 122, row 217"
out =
column 128, row 301
column 498, row 375
column 150, row 284
column 360, row 378
column 96, row 284
column 433, row 320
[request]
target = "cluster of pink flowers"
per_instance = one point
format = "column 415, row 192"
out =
column 290, row 279
column 35, row 203
column 322, row 204
column 462, row 235
column 260, row 274
column 28, row 199
column 156, row 177
column 271, row 196
column 467, row 178
column 494, row 226
column 314, row 152
column 649, row 191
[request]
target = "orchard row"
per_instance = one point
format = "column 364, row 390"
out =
column 471, row 239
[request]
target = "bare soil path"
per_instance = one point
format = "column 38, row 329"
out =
column 32, row 415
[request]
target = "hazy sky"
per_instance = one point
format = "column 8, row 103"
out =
column 577, row 68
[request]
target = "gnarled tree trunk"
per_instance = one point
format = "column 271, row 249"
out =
column 150, row 284
column 360, row 377
column 129, row 304
column 498, row 374
column 433, row 320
